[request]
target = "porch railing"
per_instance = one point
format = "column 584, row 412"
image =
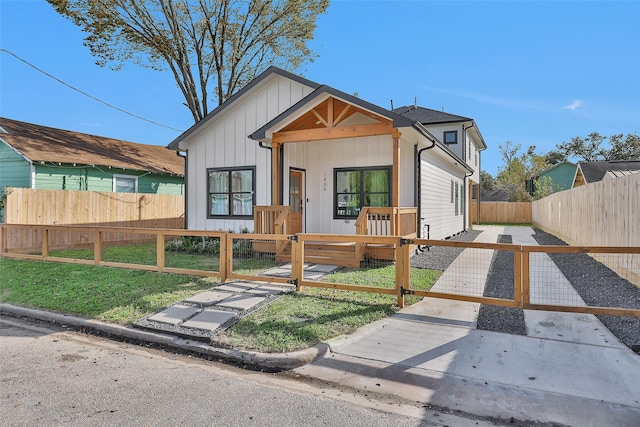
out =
column 387, row 221
column 271, row 219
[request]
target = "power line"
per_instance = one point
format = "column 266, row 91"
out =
column 86, row 94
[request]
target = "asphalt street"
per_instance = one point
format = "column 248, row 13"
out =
column 55, row 377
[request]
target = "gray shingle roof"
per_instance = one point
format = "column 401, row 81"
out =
column 428, row 116
column 595, row 171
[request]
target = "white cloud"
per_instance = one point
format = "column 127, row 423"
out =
column 575, row 105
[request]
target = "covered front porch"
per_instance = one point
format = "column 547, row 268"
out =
column 378, row 221
column 337, row 165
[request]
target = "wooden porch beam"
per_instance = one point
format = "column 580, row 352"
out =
column 395, row 190
column 333, row 133
column 275, row 173
column 330, row 123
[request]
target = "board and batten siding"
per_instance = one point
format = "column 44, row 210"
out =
column 324, row 156
column 223, row 142
column 436, row 207
column 15, row 170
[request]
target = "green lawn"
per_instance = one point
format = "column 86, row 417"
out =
column 300, row 320
column 294, row 321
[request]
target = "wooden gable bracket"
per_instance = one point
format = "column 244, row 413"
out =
column 330, row 130
column 320, row 134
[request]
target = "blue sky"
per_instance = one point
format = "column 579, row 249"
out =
column 536, row 73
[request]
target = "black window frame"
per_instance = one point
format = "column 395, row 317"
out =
column 444, row 136
column 230, row 191
column 362, row 193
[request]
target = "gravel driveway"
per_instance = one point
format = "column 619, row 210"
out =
column 586, row 275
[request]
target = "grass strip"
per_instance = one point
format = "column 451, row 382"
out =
column 109, row 294
column 292, row 322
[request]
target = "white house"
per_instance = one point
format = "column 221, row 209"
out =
column 286, row 141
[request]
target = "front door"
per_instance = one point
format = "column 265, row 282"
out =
column 296, row 201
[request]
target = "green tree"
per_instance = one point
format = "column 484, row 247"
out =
column 554, row 157
column 624, row 148
column 543, row 187
column 487, row 181
column 518, row 169
column 592, row 148
column 208, row 45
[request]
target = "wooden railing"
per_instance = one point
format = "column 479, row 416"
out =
column 271, row 219
column 387, row 221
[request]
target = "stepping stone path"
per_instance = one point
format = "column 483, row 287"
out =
column 204, row 315
column 208, row 313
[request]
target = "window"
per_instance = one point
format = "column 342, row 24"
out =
column 355, row 188
column 125, row 184
column 451, row 191
column 450, row 137
column 231, row 192
column 456, row 202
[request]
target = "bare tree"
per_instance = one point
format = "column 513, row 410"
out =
column 208, row 45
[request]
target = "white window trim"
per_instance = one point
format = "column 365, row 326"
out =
column 116, row 176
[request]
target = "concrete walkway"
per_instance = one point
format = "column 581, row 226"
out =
column 569, row 369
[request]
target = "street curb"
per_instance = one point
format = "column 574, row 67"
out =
column 272, row 361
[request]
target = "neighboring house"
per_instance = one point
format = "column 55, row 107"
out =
column 560, row 176
column 33, row 156
column 590, row 172
column 494, row 195
column 284, row 140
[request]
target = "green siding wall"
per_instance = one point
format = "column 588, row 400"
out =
column 15, row 171
column 101, row 179
column 561, row 176
column 160, row 184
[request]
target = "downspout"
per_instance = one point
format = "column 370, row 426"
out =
column 464, row 211
column 186, row 193
column 266, row 147
column 464, row 180
column 281, row 172
column 419, row 188
column 479, row 183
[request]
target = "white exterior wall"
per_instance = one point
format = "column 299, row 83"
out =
column 223, row 142
column 467, row 148
column 435, row 196
column 438, row 132
column 319, row 159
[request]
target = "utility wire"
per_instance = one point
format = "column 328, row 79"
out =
column 86, row 94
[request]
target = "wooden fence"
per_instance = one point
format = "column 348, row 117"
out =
column 224, row 268
column 605, row 213
column 501, row 212
column 87, row 208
